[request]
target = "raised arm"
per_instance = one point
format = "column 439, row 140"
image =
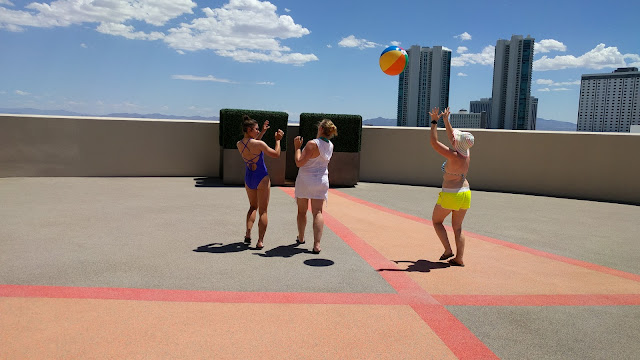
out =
column 302, row 156
column 447, row 124
column 437, row 145
column 274, row 153
column 265, row 127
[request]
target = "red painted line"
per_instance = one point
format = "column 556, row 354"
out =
column 584, row 264
column 462, row 342
column 457, row 337
column 70, row 292
column 540, row 300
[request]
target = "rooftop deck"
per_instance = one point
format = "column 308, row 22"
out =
column 155, row 268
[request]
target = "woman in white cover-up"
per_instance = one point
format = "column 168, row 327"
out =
column 312, row 182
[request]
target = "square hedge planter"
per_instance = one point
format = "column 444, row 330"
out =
column 233, row 167
column 344, row 168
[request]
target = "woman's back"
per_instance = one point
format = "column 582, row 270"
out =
column 319, row 165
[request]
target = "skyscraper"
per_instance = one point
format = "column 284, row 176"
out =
column 609, row 102
column 511, row 97
column 478, row 106
column 424, row 84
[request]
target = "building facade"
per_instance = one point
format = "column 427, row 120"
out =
column 423, row 85
column 464, row 120
column 478, row 106
column 609, row 102
column 511, row 94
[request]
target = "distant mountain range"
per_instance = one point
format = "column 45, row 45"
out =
column 541, row 124
column 30, row 111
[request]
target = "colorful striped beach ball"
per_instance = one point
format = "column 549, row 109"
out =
column 393, row 60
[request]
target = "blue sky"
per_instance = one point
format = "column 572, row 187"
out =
column 185, row 57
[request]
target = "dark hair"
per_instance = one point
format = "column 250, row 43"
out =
column 248, row 123
column 329, row 130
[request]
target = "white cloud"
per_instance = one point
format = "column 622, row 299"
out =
column 462, row 74
column 544, row 89
column 598, row 58
column 395, row 43
column 546, row 45
column 247, row 30
column 6, row 2
column 70, row 12
column 180, row 52
column 200, row 78
column 462, row 49
column 560, row 89
column 553, row 83
column 20, row 92
column 83, row 45
column 483, row 58
column 265, row 83
column 287, row 10
column 446, row 48
column 128, row 32
column 329, row 46
column 464, row 36
column 351, row 41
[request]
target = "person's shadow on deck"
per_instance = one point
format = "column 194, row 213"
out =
column 419, row 266
column 284, row 251
column 220, row 248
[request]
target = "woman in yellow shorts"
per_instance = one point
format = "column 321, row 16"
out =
column 455, row 197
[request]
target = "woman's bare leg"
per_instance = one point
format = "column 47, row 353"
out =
column 438, row 216
column 253, row 206
column 264, row 191
column 456, row 222
column 318, row 222
column 303, row 206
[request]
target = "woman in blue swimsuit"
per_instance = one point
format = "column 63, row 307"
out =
column 256, row 179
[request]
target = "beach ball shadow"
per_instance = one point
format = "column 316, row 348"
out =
column 318, row 262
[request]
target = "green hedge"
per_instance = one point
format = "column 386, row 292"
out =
column 231, row 126
column 349, row 137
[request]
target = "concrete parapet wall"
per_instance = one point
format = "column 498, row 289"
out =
column 82, row 146
column 596, row 166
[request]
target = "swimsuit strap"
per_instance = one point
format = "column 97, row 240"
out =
column 250, row 161
column 444, row 171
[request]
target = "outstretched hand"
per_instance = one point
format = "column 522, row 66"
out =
column 446, row 113
column 435, row 113
column 265, row 126
column 279, row 134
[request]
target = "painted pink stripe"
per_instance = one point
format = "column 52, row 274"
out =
column 457, row 337
column 462, row 342
column 540, row 300
column 399, row 280
column 584, row 264
column 70, row 292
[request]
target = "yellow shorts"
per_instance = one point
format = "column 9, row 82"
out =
column 455, row 199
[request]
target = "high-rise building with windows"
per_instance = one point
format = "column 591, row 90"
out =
column 511, row 95
column 609, row 102
column 479, row 106
column 423, row 85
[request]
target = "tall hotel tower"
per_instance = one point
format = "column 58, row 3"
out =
column 609, row 102
column 511, row 100
column 424, row 84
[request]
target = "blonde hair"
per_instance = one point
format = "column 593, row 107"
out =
column 329, row 130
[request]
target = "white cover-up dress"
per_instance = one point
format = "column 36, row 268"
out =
column 313, row 177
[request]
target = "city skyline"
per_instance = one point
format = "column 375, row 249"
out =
column 193, row 58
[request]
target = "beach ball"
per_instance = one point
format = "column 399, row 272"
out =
column 393, row 60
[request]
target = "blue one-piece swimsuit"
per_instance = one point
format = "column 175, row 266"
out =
column 253, row 177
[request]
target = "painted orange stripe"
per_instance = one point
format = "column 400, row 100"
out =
column 69, row 292
column 462, row 342
column 584, row 264
column 539, row 300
